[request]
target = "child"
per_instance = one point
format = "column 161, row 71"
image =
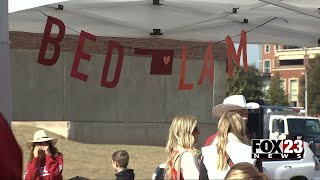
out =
column 245, row 170
column 120, row 161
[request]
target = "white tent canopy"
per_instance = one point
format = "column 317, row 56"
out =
column 18, row 5
column 295, row 22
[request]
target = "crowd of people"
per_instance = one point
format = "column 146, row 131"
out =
column 225, row 155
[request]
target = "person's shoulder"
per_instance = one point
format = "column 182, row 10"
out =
column 233, row 140
column 186, row 153
column 239, row 144
column 238, row 147
column 58, row 155
column 208, row 150
column 126, row 174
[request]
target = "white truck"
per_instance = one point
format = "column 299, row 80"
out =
column 274, row 122
column 304, row 169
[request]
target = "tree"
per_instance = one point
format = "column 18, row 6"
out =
column 248, row 83
column 276, row 95
column 313, row 89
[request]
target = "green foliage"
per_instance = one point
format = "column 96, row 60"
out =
column 248, row 83
column 313, row 86
column 276, row 95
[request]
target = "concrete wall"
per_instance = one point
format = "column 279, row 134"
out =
column 138, row 110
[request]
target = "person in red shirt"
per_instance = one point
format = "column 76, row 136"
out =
column 45, row 162
column 235, row 103
column 10, row 153
column 210, row 139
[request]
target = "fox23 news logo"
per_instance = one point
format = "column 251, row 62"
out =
column 277, row 149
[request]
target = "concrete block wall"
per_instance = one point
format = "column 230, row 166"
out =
column 61, row 128
column 138, row 110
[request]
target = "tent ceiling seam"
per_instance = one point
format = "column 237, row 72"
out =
column 108, row 4
column 104, row 19
column 292, row 8
column 198, row 21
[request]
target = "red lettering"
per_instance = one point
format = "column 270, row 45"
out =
column 114, row 82
column 231, row 53
column 182, row 85
column 46, row 39
column 81, row 55
column 208, row 59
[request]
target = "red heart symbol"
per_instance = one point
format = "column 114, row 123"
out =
column 166, row 60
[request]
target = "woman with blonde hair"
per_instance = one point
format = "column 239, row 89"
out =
column 230, row 147
column 246, row 171
column 182, row 156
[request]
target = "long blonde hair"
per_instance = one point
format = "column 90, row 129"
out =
column 246, row 171
column 180, row 134
column 229, row 122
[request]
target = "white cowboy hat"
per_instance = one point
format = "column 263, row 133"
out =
column 41, row 136
column 234, row 102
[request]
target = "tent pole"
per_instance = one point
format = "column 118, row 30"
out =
column 5, row 70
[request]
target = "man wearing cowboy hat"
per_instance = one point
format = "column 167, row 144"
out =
column 236, row 103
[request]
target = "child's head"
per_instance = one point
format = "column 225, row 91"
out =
column 245, row 170
column 120, row 159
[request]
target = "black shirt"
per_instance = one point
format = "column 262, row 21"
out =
column 125, row 174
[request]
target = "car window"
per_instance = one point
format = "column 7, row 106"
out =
column 303, row 126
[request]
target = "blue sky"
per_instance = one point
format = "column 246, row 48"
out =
column 252, row 53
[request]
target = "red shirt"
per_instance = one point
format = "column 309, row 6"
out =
column 10, row 153
column 210, row 139
column 46, row 168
